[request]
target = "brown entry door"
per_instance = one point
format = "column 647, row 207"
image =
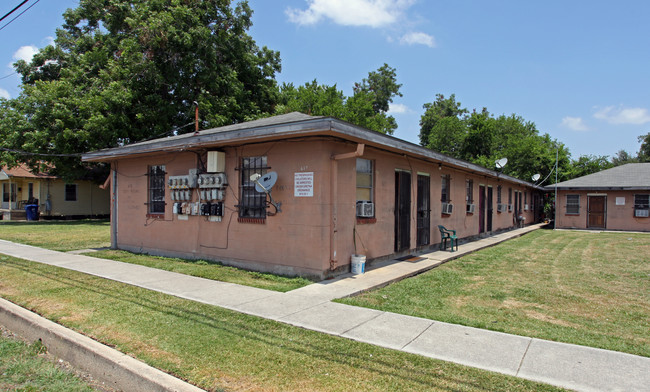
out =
column 596, row 213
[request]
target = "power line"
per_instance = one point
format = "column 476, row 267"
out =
column 12, row 11
column 6, row 76
column 18, row 16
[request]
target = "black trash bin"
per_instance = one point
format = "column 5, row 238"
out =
column 31, row 210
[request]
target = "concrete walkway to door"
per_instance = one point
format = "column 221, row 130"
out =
column 565, row 365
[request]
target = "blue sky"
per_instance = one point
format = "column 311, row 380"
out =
column 580, row 70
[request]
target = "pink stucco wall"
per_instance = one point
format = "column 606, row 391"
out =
column 297, row 240
column 618, row 217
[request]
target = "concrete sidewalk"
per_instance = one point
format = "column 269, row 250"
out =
column 565, row 365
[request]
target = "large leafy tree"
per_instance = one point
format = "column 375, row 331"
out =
column 367, row 107
column 588, row 164
column 381, row 85
column 123, row 71
column 435, row 112
column 644, row 150
column 481, row 138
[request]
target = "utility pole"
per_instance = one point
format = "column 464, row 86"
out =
column 555, row 202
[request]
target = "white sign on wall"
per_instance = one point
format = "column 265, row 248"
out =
column 620, row 201
column 303, row 184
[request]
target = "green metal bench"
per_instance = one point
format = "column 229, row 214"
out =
column 447, row 235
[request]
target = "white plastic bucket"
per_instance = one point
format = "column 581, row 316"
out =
column 358, row 264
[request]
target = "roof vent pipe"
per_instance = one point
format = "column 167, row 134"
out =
column 196, row 118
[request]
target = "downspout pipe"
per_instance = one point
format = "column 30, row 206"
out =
column 114, row 207
column 334, row 179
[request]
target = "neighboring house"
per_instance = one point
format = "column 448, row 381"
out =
column 54, row 197
column 612, row 199
column 341, row 190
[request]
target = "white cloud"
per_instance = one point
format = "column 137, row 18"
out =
column 4, row 94
column 49, row 40
column 372, row 13
column 574, row 123
column 621, row 115
column 398, row 108
column 418, row 38
column 25, row 53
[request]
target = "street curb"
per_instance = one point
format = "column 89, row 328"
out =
column 117, row 370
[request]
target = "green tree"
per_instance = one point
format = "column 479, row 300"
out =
column 588, row 164
column 124, row 71
column 644, row 151
column 382, row 86
column 480, row 140
column 622, row 157
column 312, row 99
column 365, row 108
column 433, row 113
column 483, row 139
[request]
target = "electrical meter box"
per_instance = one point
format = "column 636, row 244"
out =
column 216, row 162
column 216, row 180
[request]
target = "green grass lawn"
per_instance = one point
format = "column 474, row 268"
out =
column 217, row 349
column 58, row 235
column 576, row 287
column 74, row 235
column 23, row 368
column 208, row 270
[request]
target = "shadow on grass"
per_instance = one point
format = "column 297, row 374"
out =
column 408, row 368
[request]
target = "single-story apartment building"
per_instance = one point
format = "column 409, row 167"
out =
column 55, row 197
column 612, row 199
column 298, row 195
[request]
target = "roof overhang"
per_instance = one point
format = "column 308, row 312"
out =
column 311, row 127
column 551, row 188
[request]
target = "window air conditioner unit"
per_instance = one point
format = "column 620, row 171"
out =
column 365, row 209
column 509, row 207
column 447, row 208
column 471, row 208
column 501, row 207
column 525, row 207
column 642, row 213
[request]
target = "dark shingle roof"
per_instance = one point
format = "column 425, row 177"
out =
column 287, row 126
column 629, row 176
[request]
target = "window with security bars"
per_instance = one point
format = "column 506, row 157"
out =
column 156, row 189
column 573, row 204
column 642, row 206
column 498, row 194
column 252, row 204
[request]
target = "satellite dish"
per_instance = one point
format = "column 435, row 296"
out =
column 501, row 163
column 265, row 183
column 536, row 177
